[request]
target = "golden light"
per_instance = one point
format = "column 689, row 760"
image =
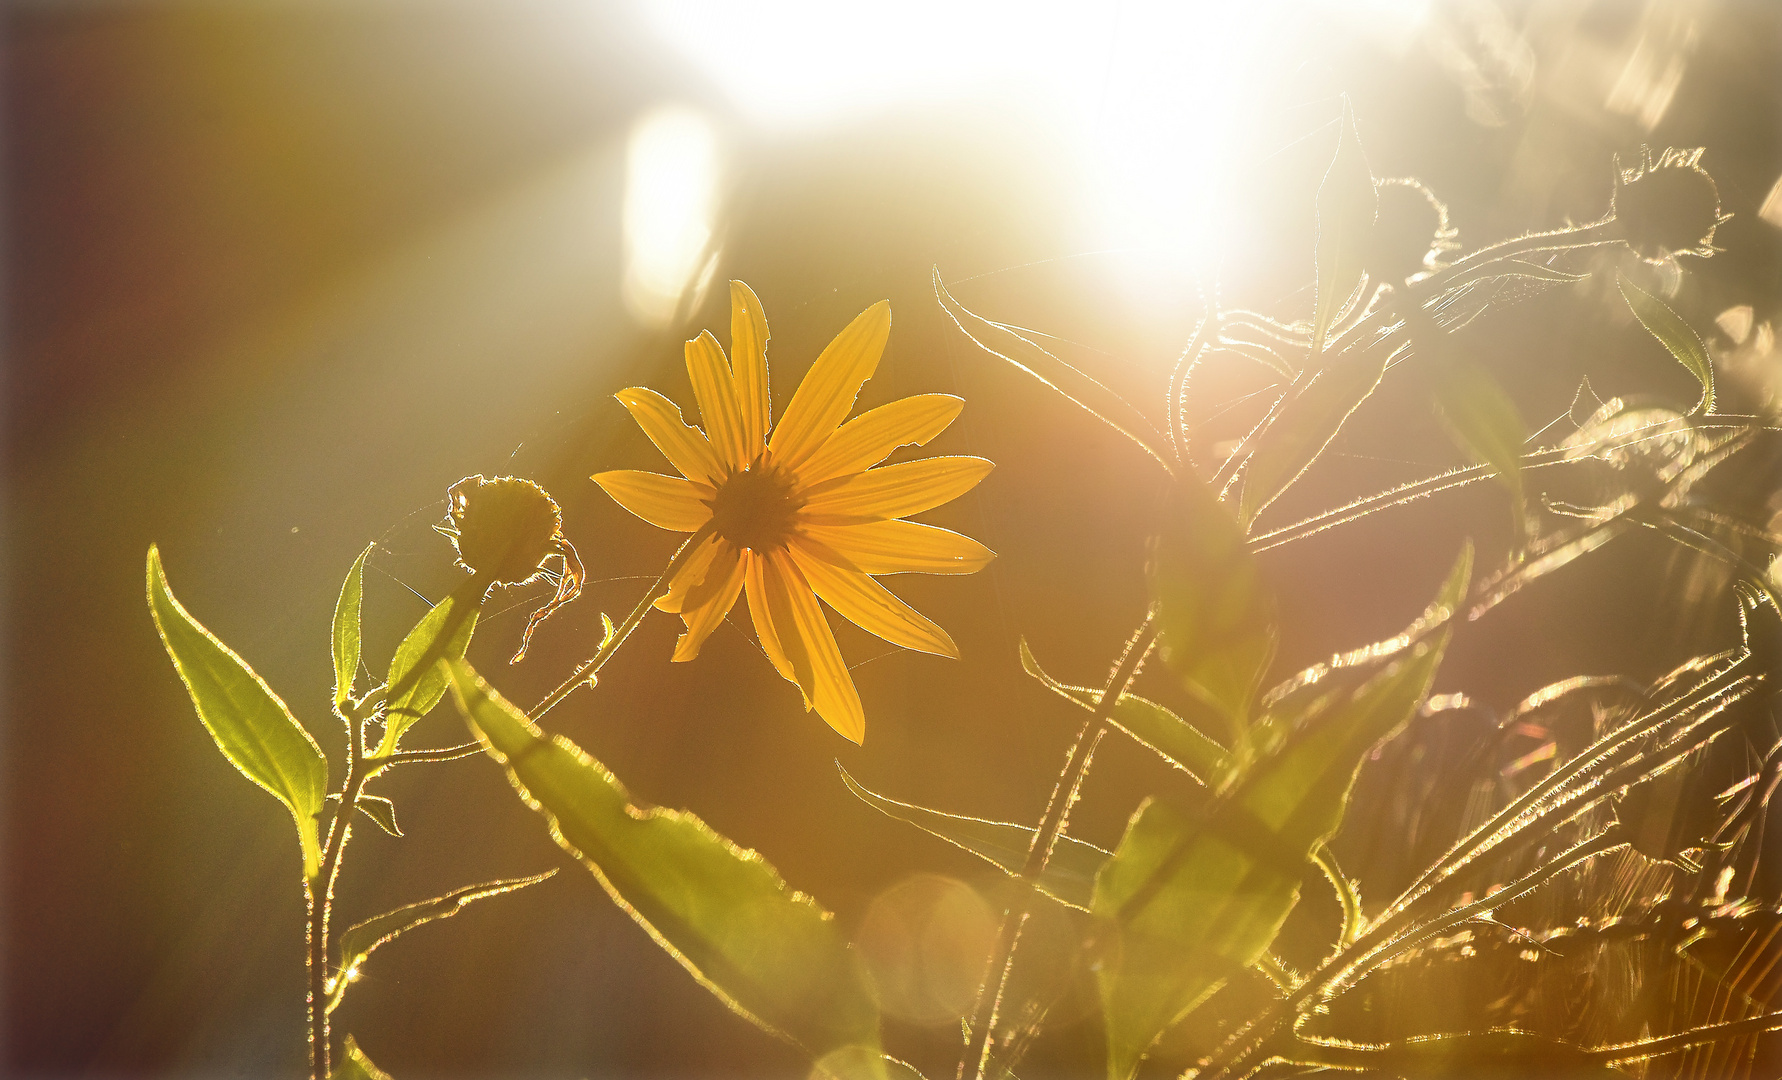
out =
column 671, row 193
column 1147, row 99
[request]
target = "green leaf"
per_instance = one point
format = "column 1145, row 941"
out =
column 362, row 939
column 1069, row 877
column 1215, row 615
column 1191, row 899
column 378, row 809
column 1484, row 423
column 1173, row 738
column 1676, row 335
column 251, row 725
column 1081, row 389
column 1182, row 911
column 1326, row 393
column 1306, row 420
column 1347, row 205
column 346, row 629
column 354, row 1065
column 772, row 955
column 416, row 681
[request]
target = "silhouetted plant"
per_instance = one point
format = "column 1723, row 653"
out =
column 1575, row 887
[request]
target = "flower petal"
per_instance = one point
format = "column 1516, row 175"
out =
column 810, row 647
column 826, row 395
column 711, row 602
column 870, row 437
column 691, row 574
column 761, row 614
column 870, row 606
column 685, row 447
column 893, row 491
column 748, row 358
column 898, row 547
column 716, row 391
column 667, row 502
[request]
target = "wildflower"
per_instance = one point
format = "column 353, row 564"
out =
column 507, row 530
column 799, row 512
column 1667, row 205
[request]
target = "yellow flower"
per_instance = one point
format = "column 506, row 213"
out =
column 800, row 513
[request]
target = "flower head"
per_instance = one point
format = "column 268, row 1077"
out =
column 1668, row 205
column 798, row 512
column 509, row 530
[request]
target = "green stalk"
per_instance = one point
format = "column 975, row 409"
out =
column 319, row 894
column 1045, row 838
column 586, row 672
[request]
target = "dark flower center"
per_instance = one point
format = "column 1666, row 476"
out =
column 754, row 508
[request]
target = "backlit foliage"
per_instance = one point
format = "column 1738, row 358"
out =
column 1575, row 886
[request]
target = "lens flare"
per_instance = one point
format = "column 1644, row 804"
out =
column 671, row 186
column 926, row 940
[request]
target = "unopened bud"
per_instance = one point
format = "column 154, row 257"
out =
column 509, row 531
column 1667, row 204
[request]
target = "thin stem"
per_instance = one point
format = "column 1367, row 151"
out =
column 1353, row 921
column 586, row 672
column 1405, row 493
column 1600, row 232
column 320, row 900
column 1378, row 945
column 1382, row 939
column 1600, row 844
column 441, row 753
column 1382, row 318
column 1178, row 381
column 1670, row 1044
column 1045, row 838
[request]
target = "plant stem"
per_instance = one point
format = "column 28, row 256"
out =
column 1383, row 941
column 439, row 753
column 1045, row 838
column 586, row 672
column 319, row 893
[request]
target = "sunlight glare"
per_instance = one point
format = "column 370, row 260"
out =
column 671, row 183
column 1151, row 94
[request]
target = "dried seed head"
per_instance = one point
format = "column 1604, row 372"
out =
column 503, row 528
column 508, row 531
column 1667, row 205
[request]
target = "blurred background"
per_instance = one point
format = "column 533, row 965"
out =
column 278, row 274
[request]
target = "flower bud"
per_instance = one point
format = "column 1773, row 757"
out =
column 508, row 531
column 1667, row 205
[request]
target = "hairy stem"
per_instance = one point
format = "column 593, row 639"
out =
column 1393, row 932
column 442, row 753
column 319, row 893
column 586, row 672
column 1045, row 838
